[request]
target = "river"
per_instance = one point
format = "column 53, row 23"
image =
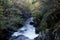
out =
column 27, row 32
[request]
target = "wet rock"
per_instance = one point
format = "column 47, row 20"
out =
column 31, row 23
column 36, row 25
column 6, row 33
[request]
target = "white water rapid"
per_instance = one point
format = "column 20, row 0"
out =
column 28, row 31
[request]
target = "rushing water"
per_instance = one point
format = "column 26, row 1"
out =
column 27, row 32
